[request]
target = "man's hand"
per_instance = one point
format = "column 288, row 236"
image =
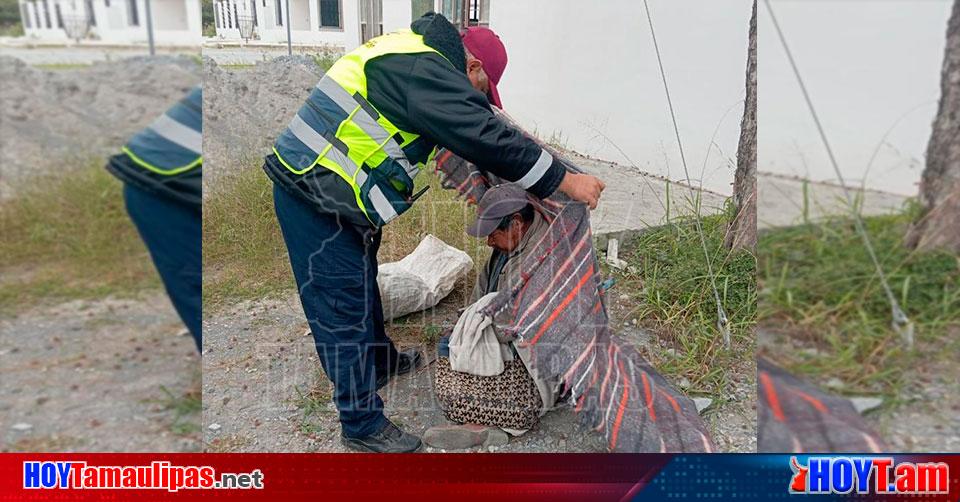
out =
column 583, row 188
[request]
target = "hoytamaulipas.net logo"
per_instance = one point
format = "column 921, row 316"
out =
column 159, row 475
column 873, row 475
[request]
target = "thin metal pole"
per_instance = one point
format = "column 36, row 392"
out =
column 289, row 42
column 150, row 28
column 900, row 322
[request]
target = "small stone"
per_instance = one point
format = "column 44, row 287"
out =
column 702, row 403
column 21, row 426
column 865, row 404
column 214, row 427
column 672, row 352
column 624, row 297
column 684, row 383
column 183, row 332
column 834, row 383
column 461, row 437
column 307, row 332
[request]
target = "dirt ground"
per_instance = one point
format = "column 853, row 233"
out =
column 102, row 375
column 263, row 389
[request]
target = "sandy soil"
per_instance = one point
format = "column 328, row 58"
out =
column 90, row 376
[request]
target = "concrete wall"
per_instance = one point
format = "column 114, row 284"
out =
column 866, row 64
column 586, row 71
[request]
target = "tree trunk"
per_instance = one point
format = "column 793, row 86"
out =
column 742, row 233
column 939, row 225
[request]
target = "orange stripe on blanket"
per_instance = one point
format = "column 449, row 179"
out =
column 623, row 407
column 553, row 281
column 771, row 393
column 810, row 399
column 563, row 305
column 673, row 402
column 648, row 395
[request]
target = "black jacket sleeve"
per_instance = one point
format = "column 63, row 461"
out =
column 444, row 107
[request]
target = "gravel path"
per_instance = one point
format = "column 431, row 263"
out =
column 257, row 363
column 90, row 376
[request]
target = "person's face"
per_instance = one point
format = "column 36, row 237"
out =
column 506, row 240
column 478, row 77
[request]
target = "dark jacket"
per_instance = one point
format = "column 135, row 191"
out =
column 423, row 93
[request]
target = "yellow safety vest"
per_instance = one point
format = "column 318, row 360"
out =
column 338, row 129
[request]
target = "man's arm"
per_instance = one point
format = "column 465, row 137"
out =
column 443, row 106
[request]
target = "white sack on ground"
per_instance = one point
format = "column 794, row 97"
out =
column 422, row 278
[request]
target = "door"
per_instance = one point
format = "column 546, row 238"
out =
column 371, row 19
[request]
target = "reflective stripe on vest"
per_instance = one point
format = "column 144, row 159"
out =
column 173, row 143
column 338, row 129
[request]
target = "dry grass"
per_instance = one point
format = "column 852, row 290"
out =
column 669, row 291
column 67, row 236
column 244, row 253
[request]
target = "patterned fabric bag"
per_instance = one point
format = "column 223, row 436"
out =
column 509, row 400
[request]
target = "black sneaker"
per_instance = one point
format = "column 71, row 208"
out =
column 389, row 440
column 407, row 361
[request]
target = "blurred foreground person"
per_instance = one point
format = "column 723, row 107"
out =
column 161, row 170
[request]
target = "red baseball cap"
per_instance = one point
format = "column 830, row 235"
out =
column 486, row 46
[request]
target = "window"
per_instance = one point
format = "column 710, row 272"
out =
column 25, row 15
column 253, row 11
column 478, row 12
column 46, row 14
column 465, row 13
column 133, row 17
column 36, row 14
column 330, row 13
column 453, row 10
column 279, row 12
column 91, row 18
column 420, row 7
column 56, row 10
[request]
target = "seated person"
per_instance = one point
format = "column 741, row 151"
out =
column 492, row 383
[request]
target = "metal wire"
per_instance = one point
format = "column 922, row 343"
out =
column 722, row 321
column 900, row 322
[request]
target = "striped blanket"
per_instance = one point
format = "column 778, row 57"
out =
column 796, row 417
column 559, row 312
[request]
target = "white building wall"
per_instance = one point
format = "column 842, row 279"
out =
column 396, row 15
column 351, row 24
column 176, row 22
column 584, row 70
column 867, row 65
column 305, row 21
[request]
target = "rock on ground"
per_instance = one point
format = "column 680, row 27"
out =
column 89, row 376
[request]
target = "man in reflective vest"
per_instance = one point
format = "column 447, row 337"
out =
column 161, row 170
column 344, row 168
